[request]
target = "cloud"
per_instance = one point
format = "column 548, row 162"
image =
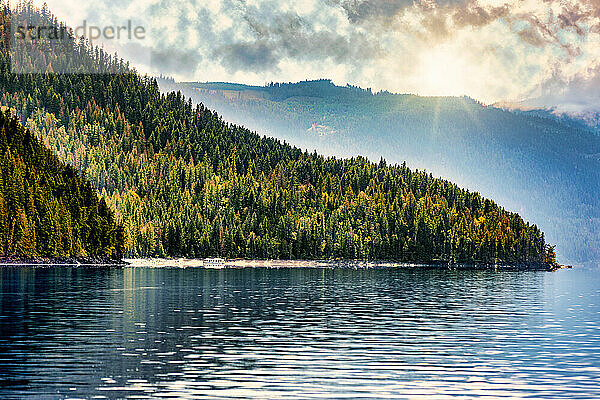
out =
column 489, row 49
column 251, row 56
column 532, row 36
column 175, row 61
column 361, row 10
column 577, row 93
column 265, row 37
column 474, row 15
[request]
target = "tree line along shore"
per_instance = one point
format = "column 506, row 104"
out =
column 106, row 166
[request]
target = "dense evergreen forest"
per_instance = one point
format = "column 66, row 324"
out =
column 185, row 183
column 546, row 167
column 46, row 207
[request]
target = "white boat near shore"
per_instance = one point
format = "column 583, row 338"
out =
column 215, row 263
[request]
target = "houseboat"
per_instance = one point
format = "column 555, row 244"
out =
column 214, row 263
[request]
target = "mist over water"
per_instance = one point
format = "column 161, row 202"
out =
column 277, row 333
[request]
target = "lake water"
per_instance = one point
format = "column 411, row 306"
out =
column 298, row 333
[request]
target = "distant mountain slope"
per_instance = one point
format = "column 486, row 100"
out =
column 46, row 207
column 186, row 183
column 545, row 168
column 589, row 121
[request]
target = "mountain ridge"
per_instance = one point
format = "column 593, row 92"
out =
column 537, row 164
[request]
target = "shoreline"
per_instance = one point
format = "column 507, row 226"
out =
column 351, row 264
column 360, row 264
column 269, row 264
column 61, row 262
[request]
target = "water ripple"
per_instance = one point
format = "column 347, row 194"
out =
column 289, row 333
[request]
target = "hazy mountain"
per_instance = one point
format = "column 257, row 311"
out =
column 586, row 120
column 542, row 165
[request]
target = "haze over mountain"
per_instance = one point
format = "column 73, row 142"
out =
column 587, row 120
column 543, row 166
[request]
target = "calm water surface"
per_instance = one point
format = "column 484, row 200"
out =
column 298, row 333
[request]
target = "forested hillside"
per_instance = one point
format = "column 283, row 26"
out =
column 545, row 167
column 46, row 207
column 185, row 183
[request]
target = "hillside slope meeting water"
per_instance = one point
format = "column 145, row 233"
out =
column 541, row 165
column 298, row 333
column 47, row 208
column 183, row 182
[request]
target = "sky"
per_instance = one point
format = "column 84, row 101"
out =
column 534, row 53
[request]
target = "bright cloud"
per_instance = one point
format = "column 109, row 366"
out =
column 492, row 50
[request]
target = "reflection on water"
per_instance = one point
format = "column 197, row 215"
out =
column 277, row 333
